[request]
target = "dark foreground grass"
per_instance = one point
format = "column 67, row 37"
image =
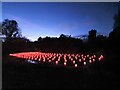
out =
column 16, row 73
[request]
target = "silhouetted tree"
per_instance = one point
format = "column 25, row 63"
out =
column 39, row 39
column 91, row 40
column 63, row 36
column 101, row 41
column 114, row 36
column 117, row 18
column 16, row 44
column 92, row 35
column 10, row 29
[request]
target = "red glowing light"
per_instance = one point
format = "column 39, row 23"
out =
column 76, row 59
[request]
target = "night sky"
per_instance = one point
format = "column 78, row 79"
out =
column 55, row 18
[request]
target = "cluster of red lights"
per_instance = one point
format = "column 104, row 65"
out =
column 75, row 60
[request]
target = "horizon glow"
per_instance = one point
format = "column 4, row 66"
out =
column 51, row 19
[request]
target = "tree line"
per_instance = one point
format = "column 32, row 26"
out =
column 15, row 42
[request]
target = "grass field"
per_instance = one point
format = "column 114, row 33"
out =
column 16, row 73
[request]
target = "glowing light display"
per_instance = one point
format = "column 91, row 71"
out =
column 73, row 60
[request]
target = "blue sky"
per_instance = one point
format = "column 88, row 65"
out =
column 43, row 19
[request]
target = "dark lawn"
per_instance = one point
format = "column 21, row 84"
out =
column 16, row 73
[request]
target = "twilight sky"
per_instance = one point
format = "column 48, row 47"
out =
column 43, row 19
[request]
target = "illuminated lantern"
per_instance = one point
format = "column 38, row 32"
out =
column 79, row 60
column 75, row 57
column 72, row 55
column 43, row 60
column 73, row 62
column 56, row 62
column 39, row 59
column 94, row 56
column 90, row 61
column 83, row 59
column 65, row 60
column 58, row 59
column 35, row 58
column 47, row 58
column 84, row 63
column 64, row 63
column 49, row 61
column 99, row 58
column 87, row 55
column 11, row 54
column 52, row 59
column 75, row 65
column 71, row 59
column 82, row 55
column 93, row 60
